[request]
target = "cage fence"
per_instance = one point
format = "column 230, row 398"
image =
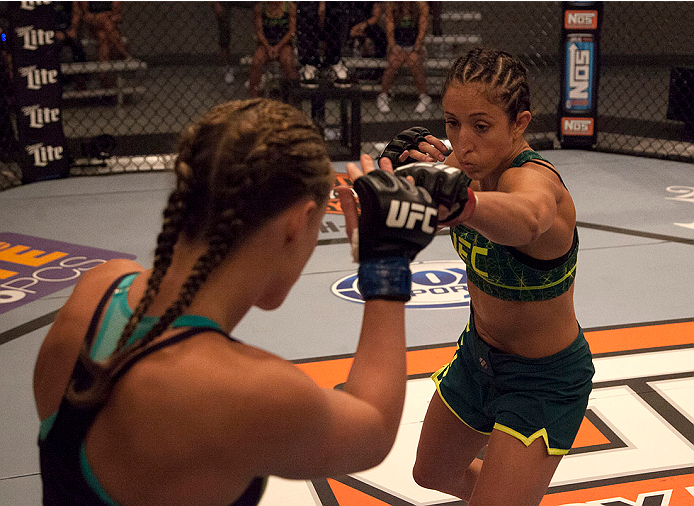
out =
column 134, row 74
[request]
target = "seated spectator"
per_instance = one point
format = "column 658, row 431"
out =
column 322, row 24
column 275, row 25
column 222, row 12
column 365, row 33
column 103, row 20
column 68, row 17
column 406, row 26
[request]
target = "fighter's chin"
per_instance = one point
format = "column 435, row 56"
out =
column 469, row 169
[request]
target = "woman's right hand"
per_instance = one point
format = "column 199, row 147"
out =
column 416, row 144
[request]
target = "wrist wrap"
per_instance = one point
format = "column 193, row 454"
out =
column 385, row 278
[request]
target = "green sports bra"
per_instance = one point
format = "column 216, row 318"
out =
column 508, row 274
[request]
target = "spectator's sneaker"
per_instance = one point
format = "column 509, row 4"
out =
column 308, row 77
column 229, row 76
column 261, row 85
column 424, row 103
column 382, row 103
column 339, row 75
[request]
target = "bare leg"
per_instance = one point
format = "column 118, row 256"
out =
column 446, row 452
column 514, row 474
column 260, row 59
column 395, row 60
column 288, row 64
column 415, row 62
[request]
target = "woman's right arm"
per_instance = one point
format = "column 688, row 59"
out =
column 299, row 430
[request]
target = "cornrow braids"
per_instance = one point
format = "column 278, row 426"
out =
column 240, row 165
column 504, row 76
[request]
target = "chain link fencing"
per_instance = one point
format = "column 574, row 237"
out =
column 131, row 86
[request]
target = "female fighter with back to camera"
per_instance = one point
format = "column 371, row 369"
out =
column 522, row 372
column 157, row 404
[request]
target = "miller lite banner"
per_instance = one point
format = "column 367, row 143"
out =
column 38, row 90
column 580, row 73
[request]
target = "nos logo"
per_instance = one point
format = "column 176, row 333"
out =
column 435, row 285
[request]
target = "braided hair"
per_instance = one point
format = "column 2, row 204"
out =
column 240, row 165
column 504, row 76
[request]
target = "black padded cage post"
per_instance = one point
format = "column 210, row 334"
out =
column 580, row 50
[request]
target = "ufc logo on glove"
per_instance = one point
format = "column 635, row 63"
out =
column 406, row 214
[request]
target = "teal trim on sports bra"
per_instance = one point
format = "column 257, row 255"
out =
column 46, row 426
column 91, row 478
column 118, row 314
column 115, row 319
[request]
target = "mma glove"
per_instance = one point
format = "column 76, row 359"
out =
column 406, row 140
column 448, row 186
column 398, row 219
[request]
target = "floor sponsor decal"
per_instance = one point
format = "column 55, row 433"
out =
column 435, row 285
column 33, row 267
column 635, row 446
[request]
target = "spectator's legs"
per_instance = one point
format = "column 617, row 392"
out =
column 260, row 59
column 116, row 40
column 395, row 60
column 108, row 37
column 102, row 46
column 288, row 63
column 415, row 62
column 222, row 16
column 221, row 13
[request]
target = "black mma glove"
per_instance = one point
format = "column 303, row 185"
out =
column 447, row 185
column 397, row 221
column 407, row 139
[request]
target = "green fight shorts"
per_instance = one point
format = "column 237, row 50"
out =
column 527, row 398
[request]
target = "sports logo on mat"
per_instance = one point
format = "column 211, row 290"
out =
column 435, row 285
column 33, row 267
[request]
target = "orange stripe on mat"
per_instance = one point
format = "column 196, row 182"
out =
column 331, row 372
column 637, row 338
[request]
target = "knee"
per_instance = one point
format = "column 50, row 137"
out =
column 424, row 475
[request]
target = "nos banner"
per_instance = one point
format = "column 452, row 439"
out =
column 581, row 71
column 38, row 90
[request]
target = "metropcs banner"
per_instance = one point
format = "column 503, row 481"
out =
column 33, row 267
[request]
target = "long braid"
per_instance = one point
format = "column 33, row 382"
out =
column 239, row 166
column 220, row 242
column 174, row 214
column 504, row 75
